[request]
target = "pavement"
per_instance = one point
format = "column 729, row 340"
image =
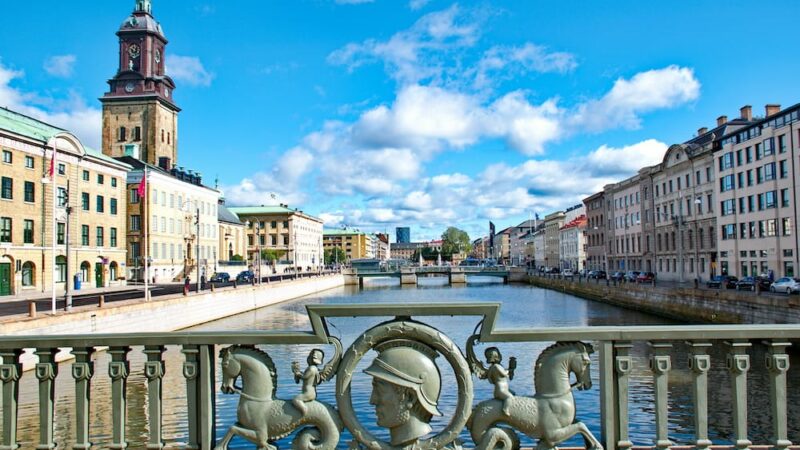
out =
column 20, row 304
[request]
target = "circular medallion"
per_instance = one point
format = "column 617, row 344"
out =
column 158, row 56
column 133, row 50
column 415, row 335
column 129, row 87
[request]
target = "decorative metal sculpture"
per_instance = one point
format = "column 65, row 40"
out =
column 405, row 385
column 312, row 376
column 548, row 415
column 495, row 373
column 261, row 417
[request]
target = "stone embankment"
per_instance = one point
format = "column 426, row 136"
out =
column 683, row 303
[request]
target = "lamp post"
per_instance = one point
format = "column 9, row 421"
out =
column 67, row 292
column 186, row 207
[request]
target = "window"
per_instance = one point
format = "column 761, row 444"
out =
column 113, row 238
column 697, row 177
column 708, row 175
column 782, row 169
column 679, row 183
column 7, row 157
column 100, row 178
column 726, row 183
column 29, row 162
column 728, row 207
column 751, row 203
column 726, row 161
column 27, row 232
column 772, row 225
column 137, row 133
column 136, row 222
column 786, row 226
column 750, row 177
column 742, row 208
column 769, row 172
column 85, row 201
column 710, row 202
column 7, row 188
column 739, row 159
column 100, row 204
column 62, row 197
column 61, row 269
column 60, row 231
column 782, row 143
column 740, row 180
column 784, row 198
column 113, row 206
column 700, row 242
column 760, row 174
column 769, row 146
column 84, row 234
column 85, row 175
column 30, row 191
column 285, row 224
column 62, row 169
column 759, row 154
column 135, row 195
column 771, row 199
column 121, row 135
column 748, row 154
column 657, row 193
column 113, row 182
column 5, row 229
column 742, row 231
column 28, row 274
column 670, row 185
column 728, row 231
column 99, row 236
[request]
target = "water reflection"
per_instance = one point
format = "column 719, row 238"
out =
column 523, row 306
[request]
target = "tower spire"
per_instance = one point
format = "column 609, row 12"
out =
column 143, row 6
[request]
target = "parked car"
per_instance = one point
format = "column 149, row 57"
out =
column 787, row 285
column 631, row 276
column 722, row 281
column 598, row 274
column 554, row 270
column 646, row 277
column 746, row 284
column 245, row 276
column 567, row 273
column 617, row 276
column 221, row 277
column 763, row 282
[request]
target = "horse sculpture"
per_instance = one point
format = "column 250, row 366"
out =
column 261, row 417
column 550, row 414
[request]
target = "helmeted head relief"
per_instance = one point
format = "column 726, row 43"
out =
column 409, row 364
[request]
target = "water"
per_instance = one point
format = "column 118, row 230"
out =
column 522, row 306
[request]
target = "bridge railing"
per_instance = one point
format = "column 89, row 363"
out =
column 613, row 345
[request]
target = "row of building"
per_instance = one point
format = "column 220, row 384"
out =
column 721, row 203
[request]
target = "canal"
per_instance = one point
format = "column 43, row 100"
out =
column 522, row 306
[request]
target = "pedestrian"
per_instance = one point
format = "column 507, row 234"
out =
column 186, row 286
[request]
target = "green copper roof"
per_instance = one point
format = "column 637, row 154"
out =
column 27, row 126
column 337, row 232
column 273, row 209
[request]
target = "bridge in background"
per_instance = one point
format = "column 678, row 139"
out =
column 410, row 275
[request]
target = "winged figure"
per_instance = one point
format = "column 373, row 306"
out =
column 498, row 375
column 313, row 375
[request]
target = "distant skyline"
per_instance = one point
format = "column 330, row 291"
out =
column 420, row 113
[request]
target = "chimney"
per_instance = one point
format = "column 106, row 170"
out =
column 746, row 112
column 722, row 120
column 701, row 131
column 772, row 109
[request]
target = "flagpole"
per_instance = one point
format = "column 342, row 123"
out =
column 144, row 231
column 55, row 224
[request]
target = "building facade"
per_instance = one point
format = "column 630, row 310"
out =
column 403, row 235
column 757, row 188
column 552, row 224
column 626, row 225
column 89, row 217
column 572, row 239
column 354, row 243
column 383, row 251
column 296, row 237
column 539, row 248
column 232, row 236
column 595, row 231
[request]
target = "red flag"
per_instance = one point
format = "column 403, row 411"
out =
column 53, row 164
column 141, row 190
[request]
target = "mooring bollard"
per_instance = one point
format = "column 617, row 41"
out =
column 101, row 301
column 212, row 286
column 32, row 309
column 234, row 284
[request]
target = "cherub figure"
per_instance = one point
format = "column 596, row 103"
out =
column 495, row 373
column 313, row 375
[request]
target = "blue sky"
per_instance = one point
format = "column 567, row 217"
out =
column 429, row 113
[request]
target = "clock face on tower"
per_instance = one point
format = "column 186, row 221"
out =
column 133, row 51
column 158, row 56
column 129, row 88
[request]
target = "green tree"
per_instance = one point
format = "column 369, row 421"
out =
column 334, row 255
column 269, row 255
column 237, row 258
column 455, row 241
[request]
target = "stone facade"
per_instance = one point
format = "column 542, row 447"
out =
column 625, row 232
column 552, row 224
column 595, row 231
column 296, row 237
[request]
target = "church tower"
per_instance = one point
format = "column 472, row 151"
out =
column 140, row 118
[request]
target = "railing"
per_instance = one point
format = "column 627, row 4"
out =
column 613, row 345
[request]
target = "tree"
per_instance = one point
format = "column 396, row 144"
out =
column 269, row 255
column 455, row 241
column 335, row 255
column 237, row 258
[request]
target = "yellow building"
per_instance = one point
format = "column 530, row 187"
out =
column 232, row 235
column 294, row 235
column 356, row 244
column 89, row 217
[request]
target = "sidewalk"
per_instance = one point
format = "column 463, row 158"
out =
column 47, row 295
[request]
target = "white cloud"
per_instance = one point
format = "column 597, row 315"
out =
column 417, row 4
column 71, row 114
column 644, row 92
column 60, row 66
column 628, row 159
column 519, row 60
column 188, row 69
column 352, row 2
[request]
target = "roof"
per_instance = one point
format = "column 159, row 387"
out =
column 224, row 215
column 41, row 131
column 338, row 232
column 138, row 164
column 254, row 210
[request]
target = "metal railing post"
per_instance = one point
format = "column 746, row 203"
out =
column 206, row 398
column 738, row 362
column 154, row 372
column 622, row 367
column 191, row 369
column 46, row 371
column 118, row 371
column 82, row 372
column 778, row 364
column 700, row 363
column 10, row 371
column 608, row 407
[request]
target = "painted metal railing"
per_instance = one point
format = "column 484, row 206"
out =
column 408, row 335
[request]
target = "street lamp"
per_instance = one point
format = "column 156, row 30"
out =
column 186, row 207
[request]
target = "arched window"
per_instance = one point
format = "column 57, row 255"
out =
column 28, row 274
column 112, row 270
column 85, row 267
column 61, row 269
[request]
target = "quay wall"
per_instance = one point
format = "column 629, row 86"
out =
column 684, row 303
